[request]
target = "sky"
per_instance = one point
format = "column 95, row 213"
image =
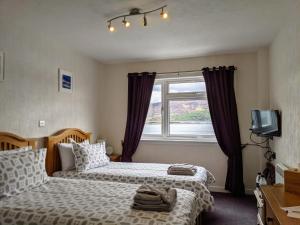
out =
column 177, row 88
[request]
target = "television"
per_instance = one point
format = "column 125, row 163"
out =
column 266, row 123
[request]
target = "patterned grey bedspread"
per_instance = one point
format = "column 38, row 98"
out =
column 83, row 202
column 153, row 174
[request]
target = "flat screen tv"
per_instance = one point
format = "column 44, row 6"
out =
column 266, row 122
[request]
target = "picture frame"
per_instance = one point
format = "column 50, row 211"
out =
column 1, row 66
column 66, row 81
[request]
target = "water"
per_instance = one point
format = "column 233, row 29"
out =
column 193, row 129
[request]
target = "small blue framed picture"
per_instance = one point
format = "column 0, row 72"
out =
column 65, row 81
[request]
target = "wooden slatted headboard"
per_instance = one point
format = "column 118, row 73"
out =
column 9, row 141
column 53, row 162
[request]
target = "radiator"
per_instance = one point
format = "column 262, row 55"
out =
column 279, row 173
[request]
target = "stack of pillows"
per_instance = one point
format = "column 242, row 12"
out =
column 82, row 156
column 21, row 169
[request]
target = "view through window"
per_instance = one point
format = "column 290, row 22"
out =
column 178, row 109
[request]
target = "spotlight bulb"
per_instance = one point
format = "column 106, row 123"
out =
column 126, row 23
column 111, row 28
column 163, row 14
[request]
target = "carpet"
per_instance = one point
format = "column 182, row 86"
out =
column 230, row 210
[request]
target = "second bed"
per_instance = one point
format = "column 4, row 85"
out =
column 135, row 173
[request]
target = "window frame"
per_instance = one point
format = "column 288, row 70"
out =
column 166, row 98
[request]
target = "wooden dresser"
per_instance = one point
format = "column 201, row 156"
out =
column 274, row 198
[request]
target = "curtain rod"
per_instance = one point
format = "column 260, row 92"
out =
column 183, row 71
column 191, row 71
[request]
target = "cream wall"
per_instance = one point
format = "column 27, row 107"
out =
column 30, row 90
column 99, row 101
column 251, row 92
column 285, row 88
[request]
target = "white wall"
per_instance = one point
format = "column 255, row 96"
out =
column 30, row 90
column 99, row 102
column 284, row 88
column 250, row 88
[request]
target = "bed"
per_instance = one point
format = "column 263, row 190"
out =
column 10, row 141
column 67, row 201
column 74, row 201
column 137, row 173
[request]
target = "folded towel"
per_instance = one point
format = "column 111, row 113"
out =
column 154, row 199
column 148, row 202
column 182, row 169
column 143, row 196
column 166, row 194
column 158, row 208
column 182, row 166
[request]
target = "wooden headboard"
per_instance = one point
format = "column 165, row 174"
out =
column 9, row 141
column 53, row 162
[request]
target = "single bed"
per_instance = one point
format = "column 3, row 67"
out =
column 10, row 141
column 68, row 201
column 137, row 173
column 71, row 201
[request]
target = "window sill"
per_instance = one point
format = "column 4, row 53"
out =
column 212, row 140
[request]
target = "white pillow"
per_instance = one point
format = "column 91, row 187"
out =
column 16, row 150
column 22, row 171
column 67, row 156
column 88, row 156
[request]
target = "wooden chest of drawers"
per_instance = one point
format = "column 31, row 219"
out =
column 274, row 198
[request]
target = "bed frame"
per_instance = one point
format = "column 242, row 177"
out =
column 53, row 162
column 9, row 141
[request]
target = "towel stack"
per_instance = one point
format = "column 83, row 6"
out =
column 150, row 198
column 182, row 169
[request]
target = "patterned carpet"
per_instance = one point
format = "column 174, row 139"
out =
column 231, row 210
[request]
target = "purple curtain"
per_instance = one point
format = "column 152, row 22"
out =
column 223, row 110
column 140, row 87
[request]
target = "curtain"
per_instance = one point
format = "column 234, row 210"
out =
column 223, row 110
column 140, row 87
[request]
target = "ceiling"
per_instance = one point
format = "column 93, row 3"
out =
column 195, row 27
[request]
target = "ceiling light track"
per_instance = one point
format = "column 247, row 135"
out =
column 136, row 12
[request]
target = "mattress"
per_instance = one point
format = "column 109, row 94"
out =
column 153, row 174
column 82, row 202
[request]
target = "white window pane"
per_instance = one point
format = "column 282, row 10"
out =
column 152, row 129
column 187, row 87
column 153, row 122
column 189, row 118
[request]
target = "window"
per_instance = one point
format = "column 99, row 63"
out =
column 153, row 125
column 179, row 111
